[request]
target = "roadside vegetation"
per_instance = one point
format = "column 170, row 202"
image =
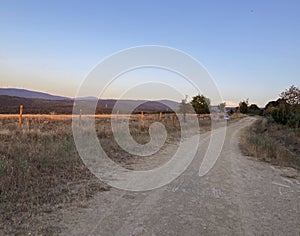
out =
column 272, row 142
column 275, row 136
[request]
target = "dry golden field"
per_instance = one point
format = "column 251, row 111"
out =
column 41, row 170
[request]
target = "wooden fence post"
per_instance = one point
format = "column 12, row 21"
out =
column 173, row 120
column 21, row 115
column 160, row 116
column 80, row 113
column 142, row 120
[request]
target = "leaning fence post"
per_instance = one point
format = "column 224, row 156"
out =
column 173, row 119
column 141, row 121
column 21, row 115
column 80, row 112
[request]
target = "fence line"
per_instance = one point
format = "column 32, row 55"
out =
column 160, row 116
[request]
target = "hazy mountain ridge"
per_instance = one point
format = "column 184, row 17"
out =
column 24, row 93
column 43, row 103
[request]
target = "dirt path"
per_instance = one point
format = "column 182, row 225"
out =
column 239, row 196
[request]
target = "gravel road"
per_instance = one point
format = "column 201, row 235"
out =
column 239, row 196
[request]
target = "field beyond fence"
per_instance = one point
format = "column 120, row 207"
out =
column 40, row 168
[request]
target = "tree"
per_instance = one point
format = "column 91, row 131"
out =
column 222, row 106
column 283, row 113
column 254, row 109
column 201, row 104
column 286, row 110
column 243, row 106
column 291, row 95
column 185, row 107
column 272, row 105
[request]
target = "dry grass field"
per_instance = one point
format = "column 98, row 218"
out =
column 272, row 143
column 40, row 169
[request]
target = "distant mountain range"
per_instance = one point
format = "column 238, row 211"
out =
column 23, row 93
column 44, row 103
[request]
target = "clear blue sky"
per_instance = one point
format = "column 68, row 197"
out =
column 251, row 48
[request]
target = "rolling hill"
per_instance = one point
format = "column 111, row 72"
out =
column 24, row 93
column 42, row 103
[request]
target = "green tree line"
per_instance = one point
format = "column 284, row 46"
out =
column 285, row 111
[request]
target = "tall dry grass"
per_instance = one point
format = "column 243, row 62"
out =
column 40, row 167
column 271, row 142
